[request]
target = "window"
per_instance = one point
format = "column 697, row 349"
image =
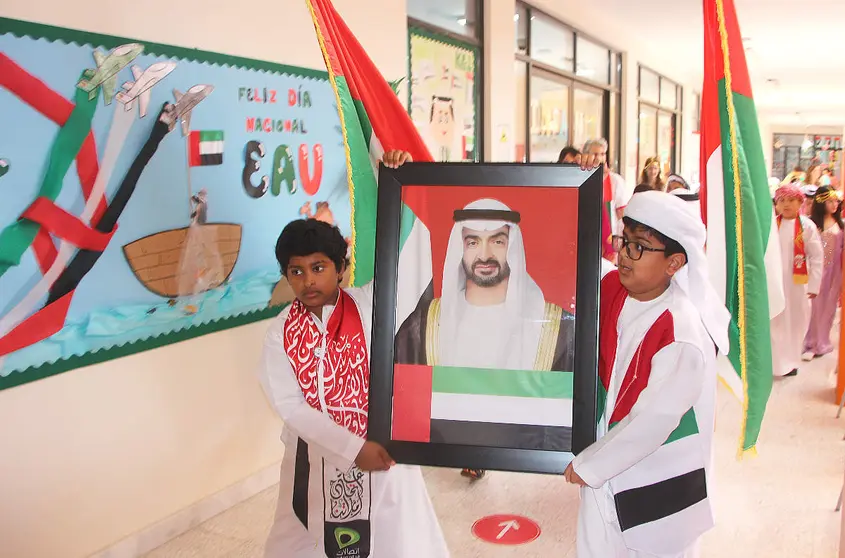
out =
column 552, row 43
column 697, row 108
column 588, row 112
column 549, row 110
column 802, row 150
column 649, row 86
column 520, row 22
column 521, row 121
column 660, row 112
column 460, row 17
column 593, row 61
column 568, row 89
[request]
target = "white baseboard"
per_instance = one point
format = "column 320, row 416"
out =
column 183, row 521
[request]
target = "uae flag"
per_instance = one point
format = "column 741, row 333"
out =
column 520, row 409
column 373, row 120
column 737, row 209
column 205, row 148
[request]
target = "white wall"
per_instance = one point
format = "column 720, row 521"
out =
column 94, row 455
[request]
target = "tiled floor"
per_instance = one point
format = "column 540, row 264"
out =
column 779, row 504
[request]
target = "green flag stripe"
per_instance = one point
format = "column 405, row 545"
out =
column 362, row 182
column 211, row 135
column 17, row 237
column 512, row 383
column 756, row 224
column 406, row 223
column 687, row 427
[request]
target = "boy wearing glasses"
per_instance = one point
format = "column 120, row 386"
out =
column 645, row 482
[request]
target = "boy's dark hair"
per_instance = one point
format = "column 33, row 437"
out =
column 567, row 151
column 643, row 188
column 304, row 237
column 672, row 246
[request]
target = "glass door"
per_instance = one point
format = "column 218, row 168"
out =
column 588, row 114
column 548, row 116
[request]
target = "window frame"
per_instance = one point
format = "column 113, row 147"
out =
column 613, row 86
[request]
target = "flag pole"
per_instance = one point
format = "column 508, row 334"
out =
column 188, row 170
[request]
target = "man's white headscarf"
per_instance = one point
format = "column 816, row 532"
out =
column 675, row 218
column 524, row 304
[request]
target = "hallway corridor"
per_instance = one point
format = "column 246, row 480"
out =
column 779, row 504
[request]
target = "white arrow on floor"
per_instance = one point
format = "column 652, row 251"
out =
column 508, row 525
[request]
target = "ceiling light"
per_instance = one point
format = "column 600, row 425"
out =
column 516, row 17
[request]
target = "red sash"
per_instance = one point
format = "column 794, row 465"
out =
column 799, row 255
column 346, row 371
column 659, row 335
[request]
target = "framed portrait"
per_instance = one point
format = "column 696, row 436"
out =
column 485, row 324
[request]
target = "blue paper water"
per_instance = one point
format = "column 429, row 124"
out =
column 120, row 325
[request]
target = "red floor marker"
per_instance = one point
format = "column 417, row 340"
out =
column 506, row 529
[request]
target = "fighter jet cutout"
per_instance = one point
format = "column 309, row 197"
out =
column 185, row 103
column 141, row 88
column 108, row 66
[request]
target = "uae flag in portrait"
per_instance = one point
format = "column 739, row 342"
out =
column 520, row 409
column 205, row 148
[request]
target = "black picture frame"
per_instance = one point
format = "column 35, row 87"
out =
column 492, row 175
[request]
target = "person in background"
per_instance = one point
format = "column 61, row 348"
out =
column 826, row 179
column 619, row 195
column 676, row 181
column 807, row 205
column 825, row 214
column 653, row 174
column 802, row 258
column 643, row 188
column 813, row 175
column 797, row 175
column 568, row 155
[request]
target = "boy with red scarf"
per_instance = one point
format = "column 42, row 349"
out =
column 802, row 255
column 339, row 495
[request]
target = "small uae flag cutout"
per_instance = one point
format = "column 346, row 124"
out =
column 206, row 148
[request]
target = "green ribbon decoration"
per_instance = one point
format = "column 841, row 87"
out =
column 19, row 236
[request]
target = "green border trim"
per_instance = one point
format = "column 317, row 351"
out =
column 22, row 29
column 415, row 31
column 48, row 369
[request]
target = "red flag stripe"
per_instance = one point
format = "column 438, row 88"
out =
column 412, row 403
column 41, row 325
column 347, row 58
column 62, row 224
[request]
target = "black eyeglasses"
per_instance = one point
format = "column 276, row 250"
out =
column 633, row 249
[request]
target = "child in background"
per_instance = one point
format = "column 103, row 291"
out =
column 825, row 214
column 803, row 259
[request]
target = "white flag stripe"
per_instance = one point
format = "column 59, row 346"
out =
column 416, row 274
column 501, row 409
column 716, row 262
column 211, row 147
